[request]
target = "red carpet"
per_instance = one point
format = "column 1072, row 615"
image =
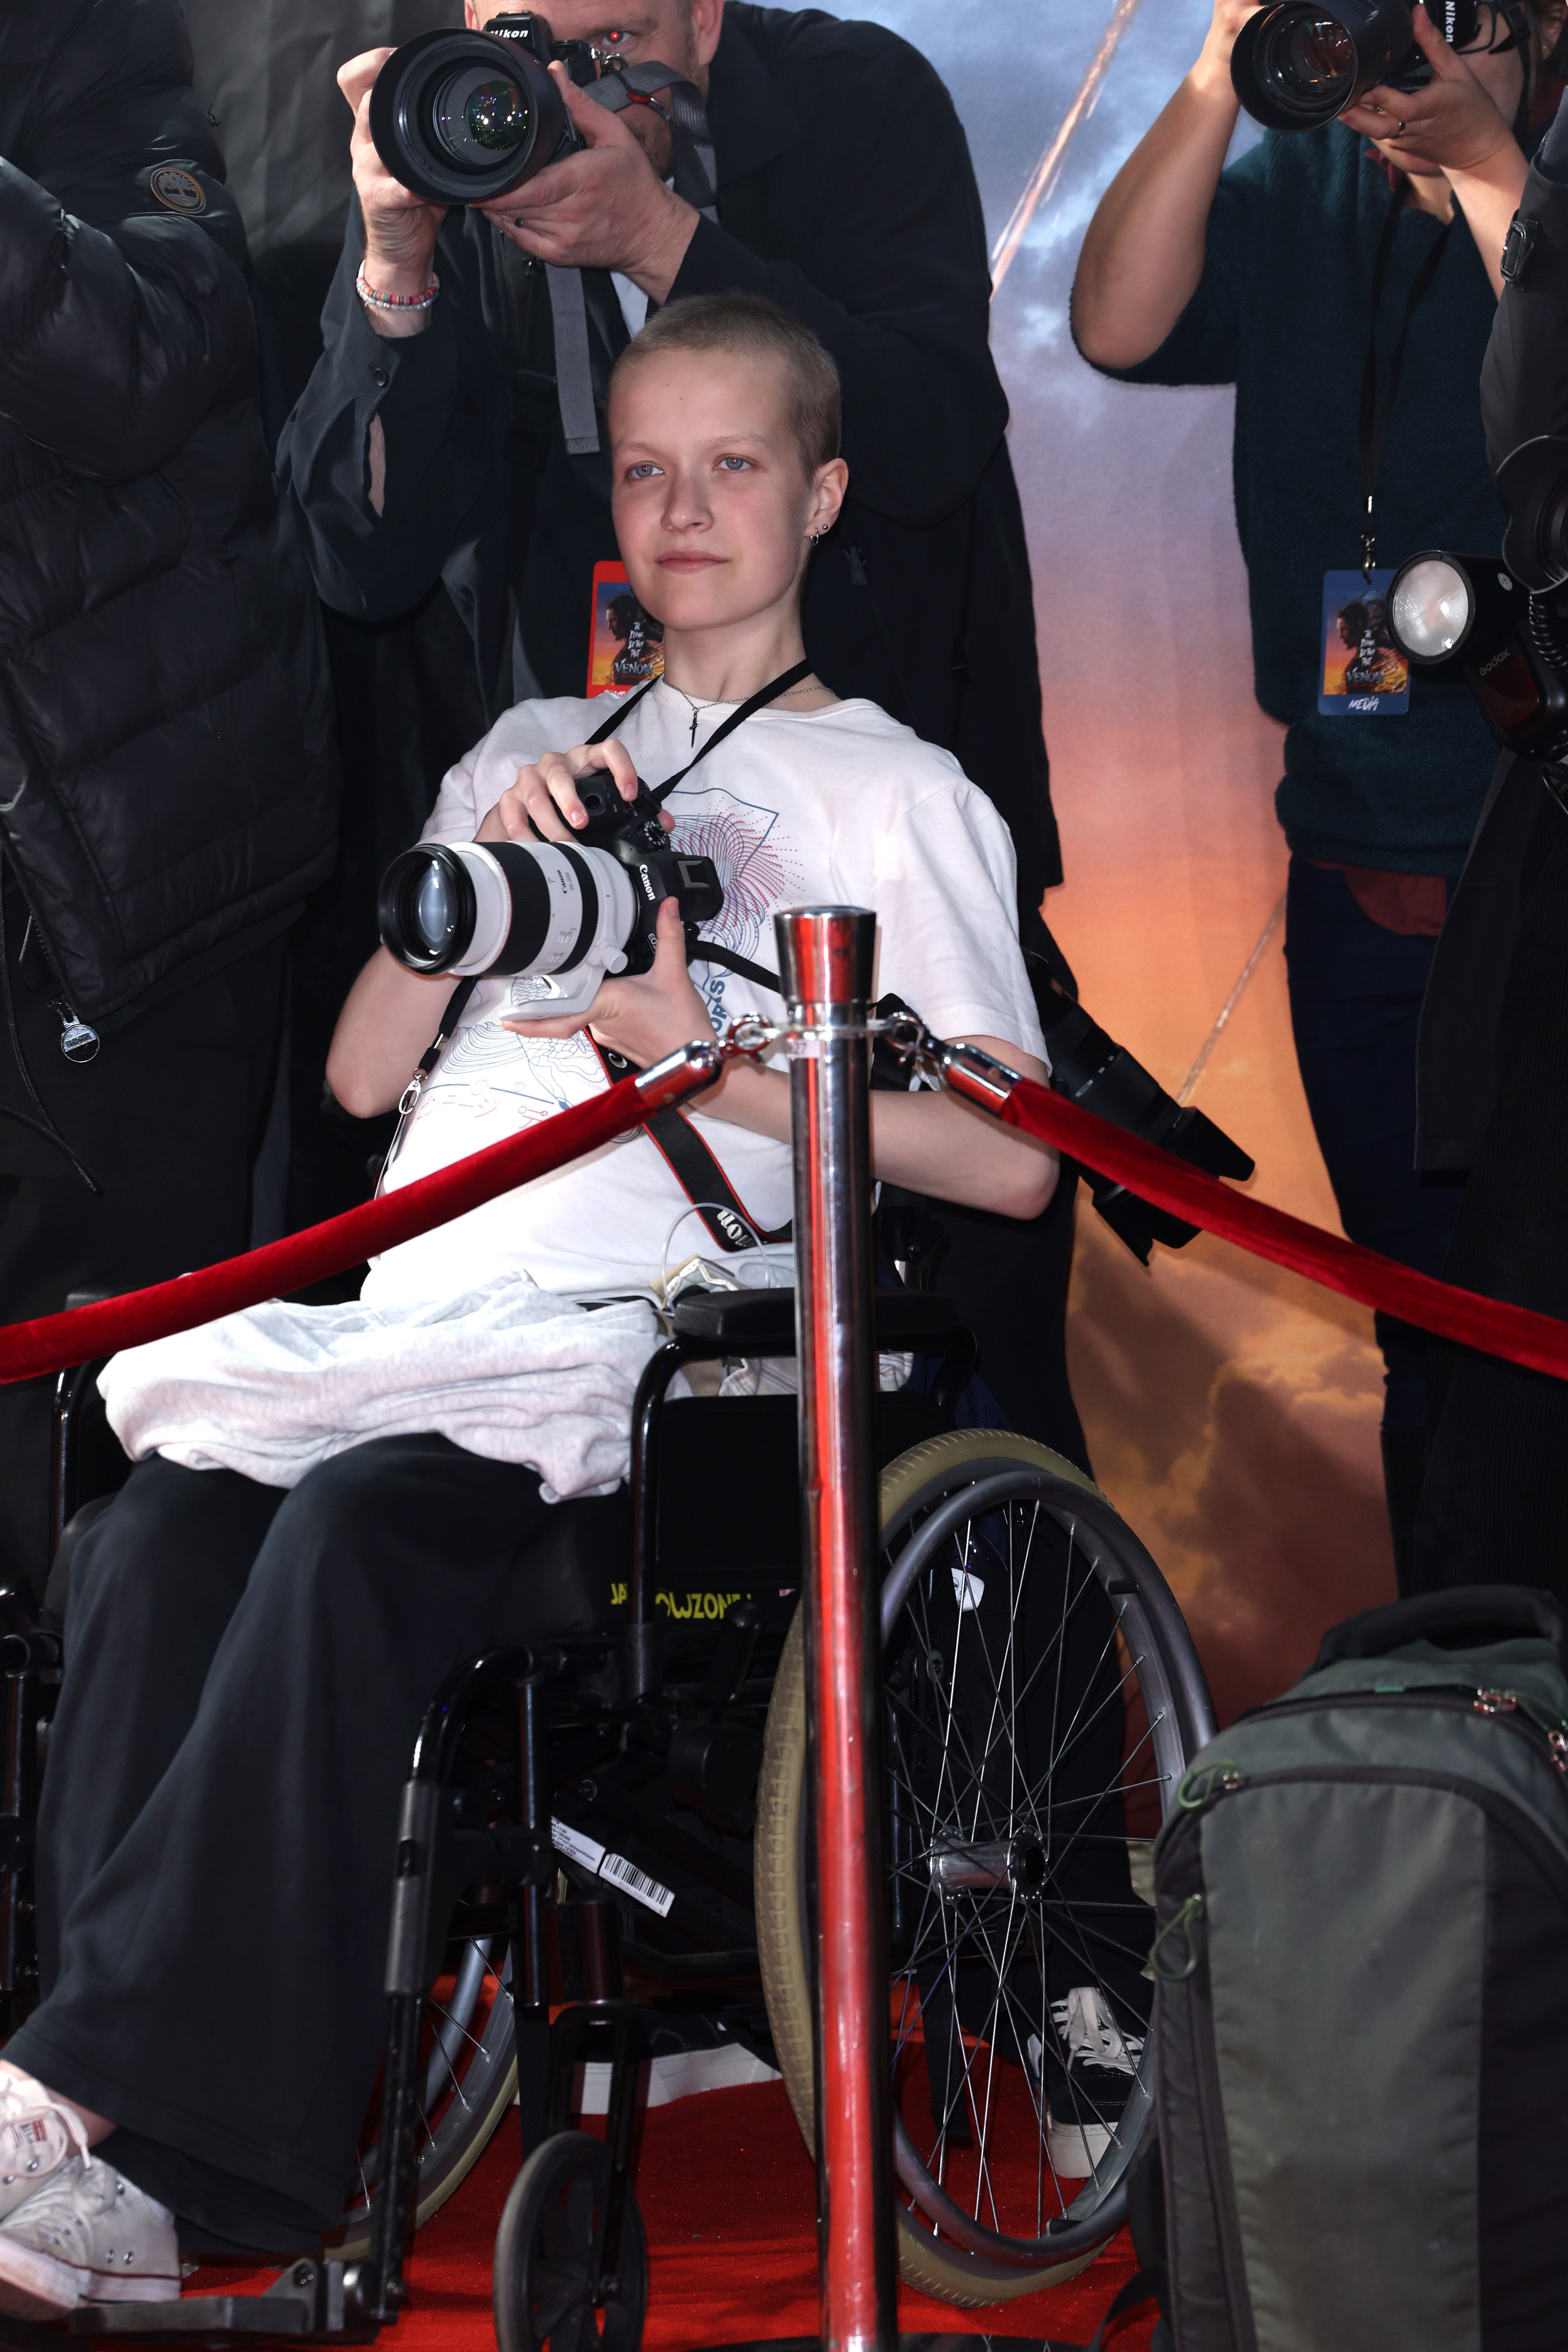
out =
column 727, row 2195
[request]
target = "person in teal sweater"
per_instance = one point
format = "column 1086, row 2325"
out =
column 1386, row 228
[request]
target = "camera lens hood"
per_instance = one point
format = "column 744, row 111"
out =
column 1297, row 65
column 1533, row 483
column 460, row 118
column 403, row 932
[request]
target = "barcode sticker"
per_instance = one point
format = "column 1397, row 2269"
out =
column 576, row 1846
column 637, row 1883
column 589, row 1854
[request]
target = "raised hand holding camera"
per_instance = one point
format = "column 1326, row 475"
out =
column 602, row 207
column 400, row 225
column 1454, row 124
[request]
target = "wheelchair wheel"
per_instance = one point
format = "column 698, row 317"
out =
column 543, row 2252
column 470, row 2077
column 1022, row 1625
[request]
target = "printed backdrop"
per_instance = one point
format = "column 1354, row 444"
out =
column 1231, row 1410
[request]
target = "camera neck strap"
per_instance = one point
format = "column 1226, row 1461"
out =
column 694, row 171
column 757, row 973
column 738, row 717
column 1377, row 402
column 695, row 1168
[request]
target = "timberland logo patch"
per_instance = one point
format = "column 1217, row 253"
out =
column 180, row 191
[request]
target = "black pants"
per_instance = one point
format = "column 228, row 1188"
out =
column 1355, row 1007
column 246, row 1669
column 1494, row 1508
column 167, row 1118
column 1355, row 1004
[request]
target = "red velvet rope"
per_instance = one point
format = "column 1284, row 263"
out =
column 1538, row 1341
column 53, row 1341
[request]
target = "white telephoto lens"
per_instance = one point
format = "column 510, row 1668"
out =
column 492, row 909
column 581, row 920
column 1430, row 609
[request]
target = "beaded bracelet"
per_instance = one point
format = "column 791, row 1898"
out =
column 367, row 293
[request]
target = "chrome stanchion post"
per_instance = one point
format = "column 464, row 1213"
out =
column 826, row 959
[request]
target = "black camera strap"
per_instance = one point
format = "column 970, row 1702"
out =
column 1377, row 403
column 695, row 1168
column 738, row 716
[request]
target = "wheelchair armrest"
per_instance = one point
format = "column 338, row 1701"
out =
column 761, row 1322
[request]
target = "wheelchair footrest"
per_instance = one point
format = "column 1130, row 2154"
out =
column 307, row 2299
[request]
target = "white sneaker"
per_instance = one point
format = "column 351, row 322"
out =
column 88, row 2235
column 36, row 2138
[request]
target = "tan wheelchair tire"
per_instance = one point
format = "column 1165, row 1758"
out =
column 927, row 1472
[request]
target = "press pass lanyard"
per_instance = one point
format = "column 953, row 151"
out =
column 1377, row 405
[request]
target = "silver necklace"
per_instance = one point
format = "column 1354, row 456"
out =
column 696, row 708
column 806, row 686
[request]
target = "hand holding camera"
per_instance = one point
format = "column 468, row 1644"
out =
column 1454, row 124
column 555, row 142
column 544, row 804
column 644, row 1015
column 600, row 209
column 558, row 914
column 400, row 226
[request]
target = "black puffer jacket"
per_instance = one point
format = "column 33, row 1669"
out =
column 167, row 780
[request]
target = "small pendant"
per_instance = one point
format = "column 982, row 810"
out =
column 694, row 726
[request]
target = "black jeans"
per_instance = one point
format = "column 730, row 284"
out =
column 1355, row 1002
column 167, row 1117
column 1494, row 1508
column 246, row 1668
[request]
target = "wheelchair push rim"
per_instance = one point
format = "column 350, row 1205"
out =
column 469, row 2082
column 974, row 1865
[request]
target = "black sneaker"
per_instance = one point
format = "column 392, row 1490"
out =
column 1092, row 2073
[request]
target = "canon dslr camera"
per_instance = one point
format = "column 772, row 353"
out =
column 560, row 914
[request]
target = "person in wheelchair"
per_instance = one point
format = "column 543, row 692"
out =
column 249, row 1650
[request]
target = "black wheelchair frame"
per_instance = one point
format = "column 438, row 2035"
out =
column 610, row 1675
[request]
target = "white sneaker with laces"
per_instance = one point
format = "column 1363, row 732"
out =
column 1092, row 2071
column 88, row 2235
column 36, row 2138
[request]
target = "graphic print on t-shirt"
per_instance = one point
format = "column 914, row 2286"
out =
column 482, row 1072
column 758, row 874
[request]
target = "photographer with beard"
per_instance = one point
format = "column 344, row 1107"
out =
column 1344, row 279
column 428, row 445
column 1494, row 1045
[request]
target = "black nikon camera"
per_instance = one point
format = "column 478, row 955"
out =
column 1298, row 64
column 560, row 914
column 461, row 117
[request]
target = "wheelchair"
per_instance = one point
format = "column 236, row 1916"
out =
column 614, row 1801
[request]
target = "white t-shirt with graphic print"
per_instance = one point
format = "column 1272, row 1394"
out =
column 841, row 806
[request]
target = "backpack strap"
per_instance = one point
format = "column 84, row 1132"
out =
column 1143, row 2286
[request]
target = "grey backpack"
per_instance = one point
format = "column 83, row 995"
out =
column 1362, row 1954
